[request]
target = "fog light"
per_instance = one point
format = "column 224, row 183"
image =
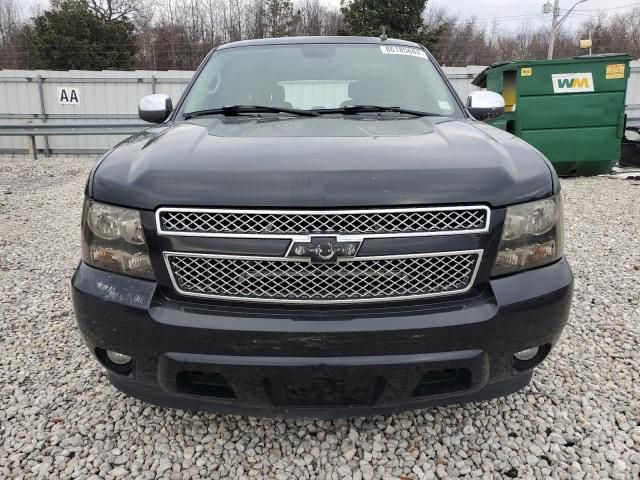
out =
column 528, row 354
column 118, row 358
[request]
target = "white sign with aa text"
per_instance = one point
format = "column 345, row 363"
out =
column 68, row 96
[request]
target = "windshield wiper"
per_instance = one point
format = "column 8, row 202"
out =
column 240, row 109
column 354, row 109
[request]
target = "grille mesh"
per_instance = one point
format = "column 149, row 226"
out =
column 380, row 222
column 357, row 280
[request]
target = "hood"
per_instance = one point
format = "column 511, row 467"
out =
column 359, row 161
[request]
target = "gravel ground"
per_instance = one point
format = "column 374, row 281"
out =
column 60, row 418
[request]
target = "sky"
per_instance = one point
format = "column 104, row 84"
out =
column 512, row 13
column 509, row 13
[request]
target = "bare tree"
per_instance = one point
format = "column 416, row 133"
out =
column 256, row 19
column 11, row 20
column 278, row 17
column 12, row 54
column 311, row 15
column 232, row 19
column 177, row 34
column 311, row 18
column 116, row 9
column 619, row 33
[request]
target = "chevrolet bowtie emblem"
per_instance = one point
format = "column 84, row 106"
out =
column 324, row 249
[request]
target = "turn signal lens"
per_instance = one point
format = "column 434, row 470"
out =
column 529, row 255
column 119, row 260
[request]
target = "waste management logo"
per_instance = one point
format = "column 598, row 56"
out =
column 572, row 82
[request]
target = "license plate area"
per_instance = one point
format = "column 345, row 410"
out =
column 324, row 391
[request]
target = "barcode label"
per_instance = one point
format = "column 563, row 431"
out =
column 399, row 50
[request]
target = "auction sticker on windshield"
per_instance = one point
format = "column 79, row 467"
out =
column 399, row 50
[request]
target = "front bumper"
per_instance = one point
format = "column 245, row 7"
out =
column 321, row 362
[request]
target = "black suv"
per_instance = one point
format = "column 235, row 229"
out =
column 320, row 227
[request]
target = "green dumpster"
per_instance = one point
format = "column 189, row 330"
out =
column 571, row 109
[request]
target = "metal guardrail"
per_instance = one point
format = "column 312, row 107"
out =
column 35, row 92
column 48, row 129
column 633, row 115
column 31, row 131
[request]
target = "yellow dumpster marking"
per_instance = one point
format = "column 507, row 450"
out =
column 615, row 71
column 526, row 72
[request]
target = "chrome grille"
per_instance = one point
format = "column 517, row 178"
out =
column 412, row 221
column 356, row 280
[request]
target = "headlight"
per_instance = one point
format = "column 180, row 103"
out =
column 113, row 239
column 532, row 236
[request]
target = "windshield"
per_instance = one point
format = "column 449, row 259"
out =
column 321, row 76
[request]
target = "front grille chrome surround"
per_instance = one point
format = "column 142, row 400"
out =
column 372, row 223
column 357, row 280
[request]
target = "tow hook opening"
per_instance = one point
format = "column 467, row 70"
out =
column 204, row 384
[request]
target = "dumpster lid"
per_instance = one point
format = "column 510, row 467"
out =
column 604, row 55
column 481, row 79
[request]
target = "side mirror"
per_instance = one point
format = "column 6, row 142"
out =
column 155, row 108
column 484, row 105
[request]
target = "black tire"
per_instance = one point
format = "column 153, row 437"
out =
column 630, row 150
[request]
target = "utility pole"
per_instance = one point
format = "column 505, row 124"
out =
column 554, row 29
column 555, row 23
